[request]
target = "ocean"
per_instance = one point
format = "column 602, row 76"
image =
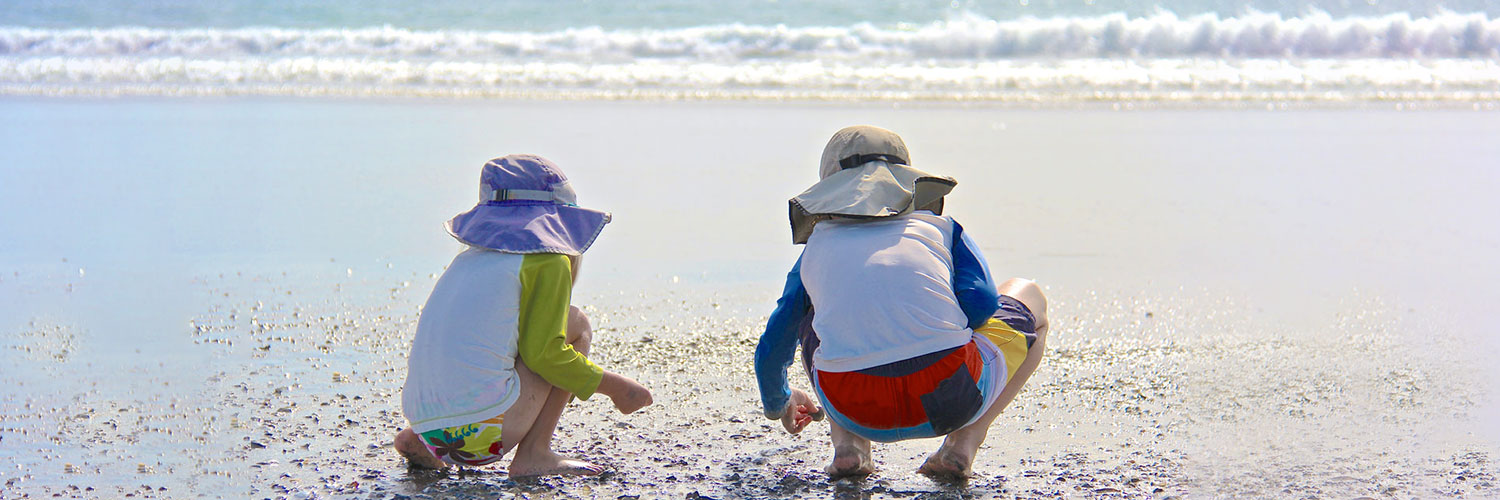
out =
column 1042, row 52
column 1266, row 231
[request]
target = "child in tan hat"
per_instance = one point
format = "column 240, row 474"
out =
column 911, row 337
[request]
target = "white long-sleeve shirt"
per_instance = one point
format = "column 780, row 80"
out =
column 488, row 310
column 883, row 290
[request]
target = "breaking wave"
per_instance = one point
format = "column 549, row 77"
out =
column 966, row 56
column 968, row 37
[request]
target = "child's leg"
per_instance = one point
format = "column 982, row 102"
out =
column 533, row 441
column 851, row 454
column 955, row 459
column 411, row 447
column 529, row 423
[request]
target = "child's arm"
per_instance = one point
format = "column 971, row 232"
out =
column 778, row 345
column 971, row 280
column 627, row 394
column 546, row 289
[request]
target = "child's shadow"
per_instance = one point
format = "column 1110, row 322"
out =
column 852, row 488
column 465, row 482
column 868, row 487
column 461, row 482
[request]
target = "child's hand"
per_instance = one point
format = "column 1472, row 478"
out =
column 636, row 397
column 627, row 394
column 801, row 410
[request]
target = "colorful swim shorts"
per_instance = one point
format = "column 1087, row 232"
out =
column 474, row 444
column 932, row 394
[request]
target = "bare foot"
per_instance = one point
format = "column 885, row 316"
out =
column 410, row 446
column 547, row 463
column 947, row 465
column 850, row 461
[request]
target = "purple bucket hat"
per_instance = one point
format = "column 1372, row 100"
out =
column 527, row 206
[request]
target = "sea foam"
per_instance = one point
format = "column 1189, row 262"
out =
column 1316, row 56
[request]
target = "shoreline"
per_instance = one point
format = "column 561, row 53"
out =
column 1116, row 100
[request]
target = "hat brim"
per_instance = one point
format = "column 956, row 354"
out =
column 529, row 228
column 871, row 191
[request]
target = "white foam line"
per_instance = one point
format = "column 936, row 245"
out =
column 966, row 37
column 1195, row 75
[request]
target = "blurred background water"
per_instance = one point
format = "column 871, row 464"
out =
column 1194, row 53
column 524, row 15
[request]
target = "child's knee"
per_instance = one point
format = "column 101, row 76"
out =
column 580, row 331
column 410, row 446
column 404, row 439
column 1029, row 293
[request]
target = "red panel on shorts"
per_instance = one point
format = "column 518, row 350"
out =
column 893, row 402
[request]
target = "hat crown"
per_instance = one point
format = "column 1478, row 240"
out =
column 521, row 172
column 860, row 140
column 524, row 172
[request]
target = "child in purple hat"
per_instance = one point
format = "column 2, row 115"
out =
column 499, row 350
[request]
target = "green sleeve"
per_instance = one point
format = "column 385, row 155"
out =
column 546, row 289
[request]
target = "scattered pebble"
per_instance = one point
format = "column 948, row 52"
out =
column 1124, row 407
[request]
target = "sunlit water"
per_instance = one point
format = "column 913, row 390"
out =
column 1188, row 53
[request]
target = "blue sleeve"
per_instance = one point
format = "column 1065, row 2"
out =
column 971, row 280
column 778, row 345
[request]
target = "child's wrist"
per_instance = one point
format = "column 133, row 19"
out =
column 609, row 384
column 777, row 414
column 615, row 386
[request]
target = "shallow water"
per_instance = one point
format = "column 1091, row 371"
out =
column 211, row 298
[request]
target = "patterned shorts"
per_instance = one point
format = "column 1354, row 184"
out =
column 473, row 444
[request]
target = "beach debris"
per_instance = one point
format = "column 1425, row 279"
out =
column 1123, row 385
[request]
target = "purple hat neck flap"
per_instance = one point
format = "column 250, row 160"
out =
column 526, row 205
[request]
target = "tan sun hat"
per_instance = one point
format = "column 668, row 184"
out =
column 865, row 174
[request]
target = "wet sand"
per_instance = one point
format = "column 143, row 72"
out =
column 1205, row 344
column 302, row 398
